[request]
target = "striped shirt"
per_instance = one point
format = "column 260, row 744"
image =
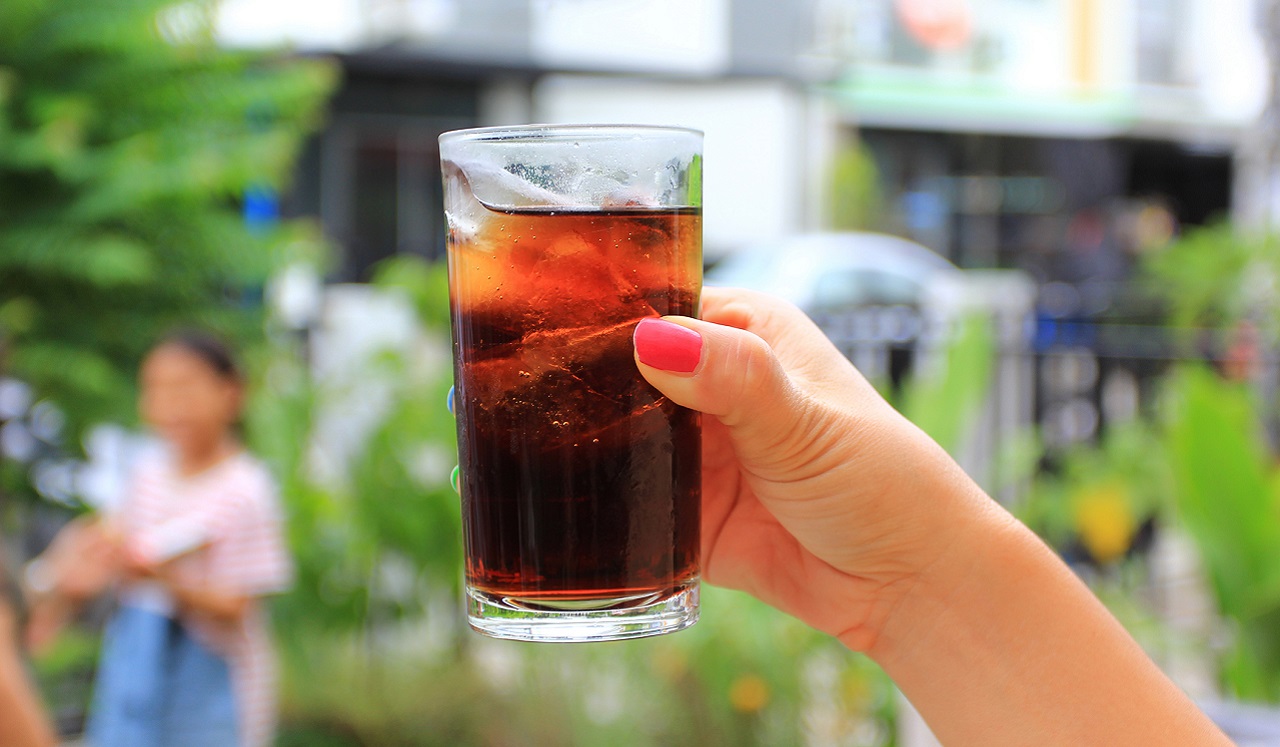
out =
column 221, row 530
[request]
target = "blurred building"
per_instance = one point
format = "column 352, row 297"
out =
column 1006, row 132
column 1013, row 132
column 742, row 71
column 1061, row 137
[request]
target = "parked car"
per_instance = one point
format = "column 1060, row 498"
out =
column 826, row 272
column 892, row 307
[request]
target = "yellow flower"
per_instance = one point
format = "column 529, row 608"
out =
column 1105, row 521
column 749, row 693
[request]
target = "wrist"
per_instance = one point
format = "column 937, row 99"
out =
column 947, row 594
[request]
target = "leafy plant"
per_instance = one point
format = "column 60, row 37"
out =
column 1228, row 498
column 745, row 675
column 856, row 202
column 127, row 138
column 1214, row 275
column 943, row 400
column 1099, row 496
column 375, row 534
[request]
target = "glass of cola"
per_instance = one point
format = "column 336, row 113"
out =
column 580, row 482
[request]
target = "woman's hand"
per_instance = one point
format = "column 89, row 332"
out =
column 821, row 500
column 84, row 559
column 818, row 497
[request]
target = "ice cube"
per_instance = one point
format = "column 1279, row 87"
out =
column 629, row 197
column 585, row 269
column 462, row 212
column 569, row 385
column 562, row 348
column 527, row 363
column 498, row 188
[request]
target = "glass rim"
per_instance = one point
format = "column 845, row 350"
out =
column 531, row 133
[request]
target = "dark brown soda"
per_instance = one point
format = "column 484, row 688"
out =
column 580, row 480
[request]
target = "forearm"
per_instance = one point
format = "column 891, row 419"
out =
column 22, row 719
column 1000, row 644
column 220, row 605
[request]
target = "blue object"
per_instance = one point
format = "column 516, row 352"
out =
column 449, row 401
column 261, row 207
column 158, row 687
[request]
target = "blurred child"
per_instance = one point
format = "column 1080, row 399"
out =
column 186, row 660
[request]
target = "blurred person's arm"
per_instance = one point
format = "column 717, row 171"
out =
column 23, row 722
column 221, row 606
column 81, row 562
column 218, row 605
column 252, row 562
column 155, row 558
column 820, row 499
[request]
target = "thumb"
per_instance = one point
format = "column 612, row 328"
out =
column 722, row 371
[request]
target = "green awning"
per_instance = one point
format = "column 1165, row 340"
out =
column 916, row 100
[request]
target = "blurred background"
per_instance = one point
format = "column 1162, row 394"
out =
column 1045, row 228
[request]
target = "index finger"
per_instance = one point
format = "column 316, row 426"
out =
column 793, row 336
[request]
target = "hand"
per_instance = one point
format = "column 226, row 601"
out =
column 81, row 562
column 821, row 500
column 84, row 559
column 135, row 566
column 818, row 497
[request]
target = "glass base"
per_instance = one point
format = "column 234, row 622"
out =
column 583, row 620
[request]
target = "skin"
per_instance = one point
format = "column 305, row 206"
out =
column 191, row 406
column 84, row 559
column 821, row 500
column 22, row 719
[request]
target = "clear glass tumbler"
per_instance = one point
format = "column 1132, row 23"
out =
column 580, row 482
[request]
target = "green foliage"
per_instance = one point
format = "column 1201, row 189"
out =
column 856, row 202
column 345, row 533
column 745, row 675
column 1228, row 497
column 1129, row 463
column 126, row 138
column 426, row 284
column 1222, row 478
column 695, row 180
column 373, row 544
column 943, row 401
column 64, row 673
column 1213, row 275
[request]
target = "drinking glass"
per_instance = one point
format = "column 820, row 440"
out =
column 580, row 482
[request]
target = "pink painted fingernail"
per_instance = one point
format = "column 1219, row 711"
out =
column 667, row 346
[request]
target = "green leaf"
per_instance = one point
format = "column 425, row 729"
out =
column 943, row 401
column 426, row 283
column 1226, row 497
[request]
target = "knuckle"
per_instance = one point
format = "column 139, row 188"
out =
column 747, row 379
